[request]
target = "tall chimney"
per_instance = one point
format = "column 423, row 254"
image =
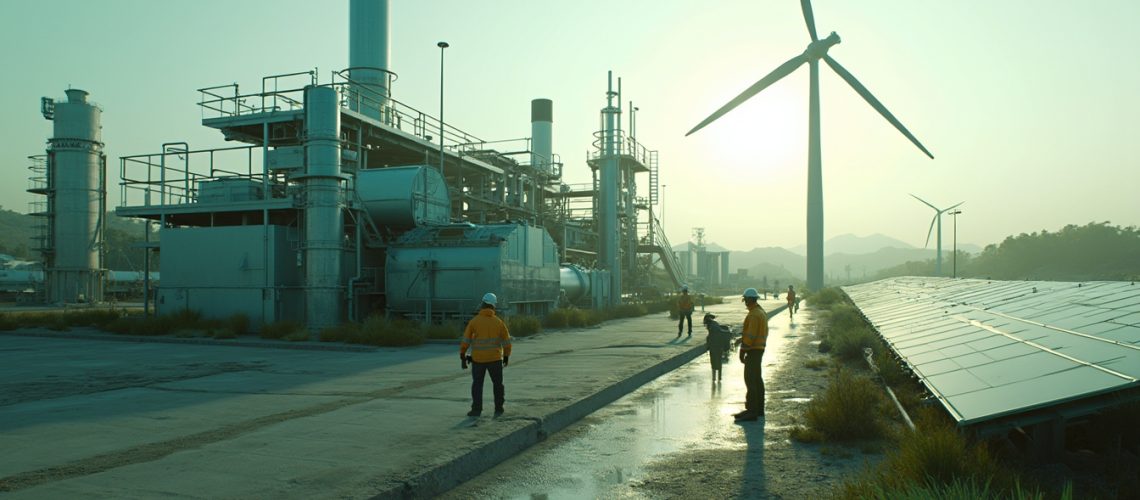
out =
column 368, row 53
column 541, row 121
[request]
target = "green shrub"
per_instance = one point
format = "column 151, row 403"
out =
column 816, row 363
column 6, row 323
column 558, row 318
column 379, row 331
column 444, row 331
column 577, row 318
column 595, row 317
column 301, row 335
column 238, row 323
column 825, row 298
column 628, row 311
column 849, row 344
column 523, row 326
column 223, row 334
column 848, row 409
column 281, row 329
column 343, row 332
column 890, row 369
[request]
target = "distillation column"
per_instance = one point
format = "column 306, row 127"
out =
column 368, row 54
column 76, row 199
column 608, row 229
column 323, row 231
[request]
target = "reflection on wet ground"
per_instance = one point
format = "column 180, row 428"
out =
column 609, row 450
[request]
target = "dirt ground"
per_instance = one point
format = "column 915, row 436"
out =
column 780, row 467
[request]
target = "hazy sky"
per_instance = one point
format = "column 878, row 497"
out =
column 1030, row 108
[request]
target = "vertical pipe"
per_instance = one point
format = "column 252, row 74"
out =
column 608, row 198
column 322, row 195
column 368, row 56
column 541, row 126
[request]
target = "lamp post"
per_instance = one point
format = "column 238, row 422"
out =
column 955, row 214
column 663, row 186
column 441, row 45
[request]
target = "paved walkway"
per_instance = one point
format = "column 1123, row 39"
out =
column 94, row 418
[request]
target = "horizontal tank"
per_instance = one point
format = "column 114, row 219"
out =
column 452, row 266
column 575, row 281
column 405, row 197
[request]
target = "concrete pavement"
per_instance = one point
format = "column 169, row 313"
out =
column 138, row 420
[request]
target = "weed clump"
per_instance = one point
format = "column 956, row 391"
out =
column 523, row 326
column 847, row 410
column 286, row 330
column 380, row 331
column 558, row 318
column 444, row 331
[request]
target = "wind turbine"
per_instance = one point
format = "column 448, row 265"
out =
column 937, row 218
column 815, row 51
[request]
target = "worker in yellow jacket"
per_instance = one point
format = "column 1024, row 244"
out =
column 754, row 336
column 685, row 310
column 490, row 343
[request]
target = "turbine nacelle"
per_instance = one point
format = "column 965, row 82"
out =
column 817, row 49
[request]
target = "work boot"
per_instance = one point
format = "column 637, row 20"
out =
column 498, row 411
column 748, row 417
column 474, row 413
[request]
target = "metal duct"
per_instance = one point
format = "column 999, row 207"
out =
column 575, row 282
column 323, row 231
column 610, row 252
column 76, row 197
column 541, row 123
column 368, row 54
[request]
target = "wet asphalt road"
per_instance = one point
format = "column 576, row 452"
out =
column 606, row 453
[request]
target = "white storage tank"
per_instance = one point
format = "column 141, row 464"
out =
column 404, row 197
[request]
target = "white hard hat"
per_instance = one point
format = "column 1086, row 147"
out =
column 490, row 298
column 751, row 293
column 684, row 288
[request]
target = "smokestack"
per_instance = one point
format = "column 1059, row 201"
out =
column 541, row 123
column 323, row 224
column 368, row 53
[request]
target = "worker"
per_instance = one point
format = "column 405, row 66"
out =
column 791, row 301
column 490, row 344
column 754, row 336
column 684, row 310
column 719, row 343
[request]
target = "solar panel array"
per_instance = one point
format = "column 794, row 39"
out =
column 990, row 349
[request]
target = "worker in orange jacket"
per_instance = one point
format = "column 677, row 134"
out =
column 490, row 343
column 754, row 337
column 685, row 310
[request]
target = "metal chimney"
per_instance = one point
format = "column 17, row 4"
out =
column 541, row 123
column 323, row 229
column 76, row 190
column 609, row 231
column 368, row 53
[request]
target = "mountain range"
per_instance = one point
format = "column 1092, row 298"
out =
column 847, row 255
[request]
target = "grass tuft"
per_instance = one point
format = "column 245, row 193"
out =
column 523, row 326
column 849, row 409
column 282, row 330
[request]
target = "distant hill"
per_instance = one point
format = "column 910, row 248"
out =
column 851, row 244
column 17, row 229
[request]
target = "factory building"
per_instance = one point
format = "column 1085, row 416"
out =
column 344, row 202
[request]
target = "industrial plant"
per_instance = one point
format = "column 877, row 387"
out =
column 343, row 202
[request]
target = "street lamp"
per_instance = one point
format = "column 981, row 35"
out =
column 663, row 186
column 955, row 214
column 441, row 45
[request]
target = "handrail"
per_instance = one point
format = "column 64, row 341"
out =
column 658, row 238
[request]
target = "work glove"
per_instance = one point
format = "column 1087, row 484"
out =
column 506, row 360
column 743, row 353
column 463, row 361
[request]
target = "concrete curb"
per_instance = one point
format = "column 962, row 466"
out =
column 448, row 475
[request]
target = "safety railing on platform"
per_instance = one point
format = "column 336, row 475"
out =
column 669, row 259
column 624, row 146
column 174, row 175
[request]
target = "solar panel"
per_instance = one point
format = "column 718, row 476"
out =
column 988, row 349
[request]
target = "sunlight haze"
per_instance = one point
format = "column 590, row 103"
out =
column 1029, row 108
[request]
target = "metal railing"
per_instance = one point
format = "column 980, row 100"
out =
column 172, row 176
column 624, row 145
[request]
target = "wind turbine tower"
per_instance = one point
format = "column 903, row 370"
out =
column 936, row 220
column 815, row 51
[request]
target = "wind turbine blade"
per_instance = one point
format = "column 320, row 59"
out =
column 859, row 88
column 931, row 230
column 955, row 206
column 810, row 18
column 780, row 72
column 924, row 202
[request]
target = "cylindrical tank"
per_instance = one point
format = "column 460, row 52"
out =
column 368, row 52
column 76, row 200
column 404, row 197
column 575, row 281
column 541, row 124
column 609, row 251
column 323, row 221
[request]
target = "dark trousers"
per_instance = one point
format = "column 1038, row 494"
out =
column 495, row 368
column 754, row 381
column 684, row 315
